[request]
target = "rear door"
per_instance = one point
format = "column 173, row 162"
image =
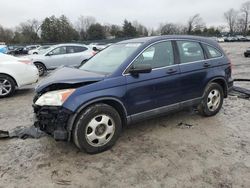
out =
column 159, row 88
column 195, row 69
column 75, row 55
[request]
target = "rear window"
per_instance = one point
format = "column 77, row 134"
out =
column 75, row 49
column 213, row 52
column 190, row 51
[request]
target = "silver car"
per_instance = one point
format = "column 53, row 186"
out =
column 71, row 55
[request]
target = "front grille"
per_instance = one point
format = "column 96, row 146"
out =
column 51, row 119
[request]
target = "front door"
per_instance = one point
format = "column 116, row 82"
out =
column 159, row 88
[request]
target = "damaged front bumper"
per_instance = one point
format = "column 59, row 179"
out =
column 53, row 120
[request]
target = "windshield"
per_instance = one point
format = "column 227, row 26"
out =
column 44, row 51
column 108, row 60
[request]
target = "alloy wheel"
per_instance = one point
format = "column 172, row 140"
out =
column 5, row 87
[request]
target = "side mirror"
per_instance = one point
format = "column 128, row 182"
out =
column 49, row 54
column 95, row 49
column 139, row 69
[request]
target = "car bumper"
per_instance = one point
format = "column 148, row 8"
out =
column 31, row 77
column 53, row 121
column 230, row 84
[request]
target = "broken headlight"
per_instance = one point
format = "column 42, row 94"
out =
column 54, row 98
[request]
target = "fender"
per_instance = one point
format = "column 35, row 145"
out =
column 217, row 78
column 10, row 74
column 72, row 119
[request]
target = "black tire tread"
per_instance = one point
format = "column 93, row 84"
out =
column 85, row 114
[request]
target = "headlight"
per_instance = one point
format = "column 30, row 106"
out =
column 54, row 98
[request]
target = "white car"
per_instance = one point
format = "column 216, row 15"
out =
column 35, row 51
column 99, row 46
column 71, row 55
column 15, row 73
column 220, row 39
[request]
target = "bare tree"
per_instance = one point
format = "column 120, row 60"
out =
column 195, row 23
column 82, row 25
column 141, row 29
column 171, row 28
column 29, row 31
column 245, row 9
column 231, row 17
column 6, row 35
column 240, row 25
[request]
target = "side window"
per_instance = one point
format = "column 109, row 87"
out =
column 78, row 49
column 190, row 51
column 70, row 49
column 59, row 51
column 212, row 52
column 158, row 55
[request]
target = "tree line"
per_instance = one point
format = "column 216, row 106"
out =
column 60, row 29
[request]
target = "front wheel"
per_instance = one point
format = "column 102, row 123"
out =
column 7, row 86
column 97, row 128
column 212, row 100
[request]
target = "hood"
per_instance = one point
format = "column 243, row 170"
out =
column 65, row 77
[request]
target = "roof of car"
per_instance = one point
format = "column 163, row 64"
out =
column 70, row 44
column 165, row 37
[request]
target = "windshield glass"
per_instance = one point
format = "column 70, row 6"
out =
column 108, row 60
column 44, row 51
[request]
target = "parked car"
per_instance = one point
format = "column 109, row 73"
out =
column 15, row 73
column 231, row 39
column 220, row 39
column 3, row 49
column 241, row 38
column 72, row 55
column 118, row 86
column 99, row 46
column 36, row 50
column 247, row 53
column 19, row 50
column 30, row 47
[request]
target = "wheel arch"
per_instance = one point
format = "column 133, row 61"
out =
column 111, row 101
column 10, row 77
column 222, row 82
column 40, row 63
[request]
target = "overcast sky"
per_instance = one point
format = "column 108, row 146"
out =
column 149, row 12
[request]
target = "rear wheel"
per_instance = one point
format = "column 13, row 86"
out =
column 97, row 128
column 7, row 86
column 83, row 62
column 212, row 101
column 41, row 68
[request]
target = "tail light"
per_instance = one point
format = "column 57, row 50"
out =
column 27, row 62
column 93, row 53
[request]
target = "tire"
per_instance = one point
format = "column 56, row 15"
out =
column 212, row 100
column 35, row 53
column 97, row 128
column 7, row 86
column 83, row 62
column 41, row 68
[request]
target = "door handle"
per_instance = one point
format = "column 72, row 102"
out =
column 206, row 65
column 171, row 71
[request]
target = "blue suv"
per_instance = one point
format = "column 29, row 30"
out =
column 131, row 81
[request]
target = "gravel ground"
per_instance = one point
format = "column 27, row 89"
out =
column 201, row 152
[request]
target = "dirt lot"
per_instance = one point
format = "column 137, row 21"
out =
column 213, row 152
